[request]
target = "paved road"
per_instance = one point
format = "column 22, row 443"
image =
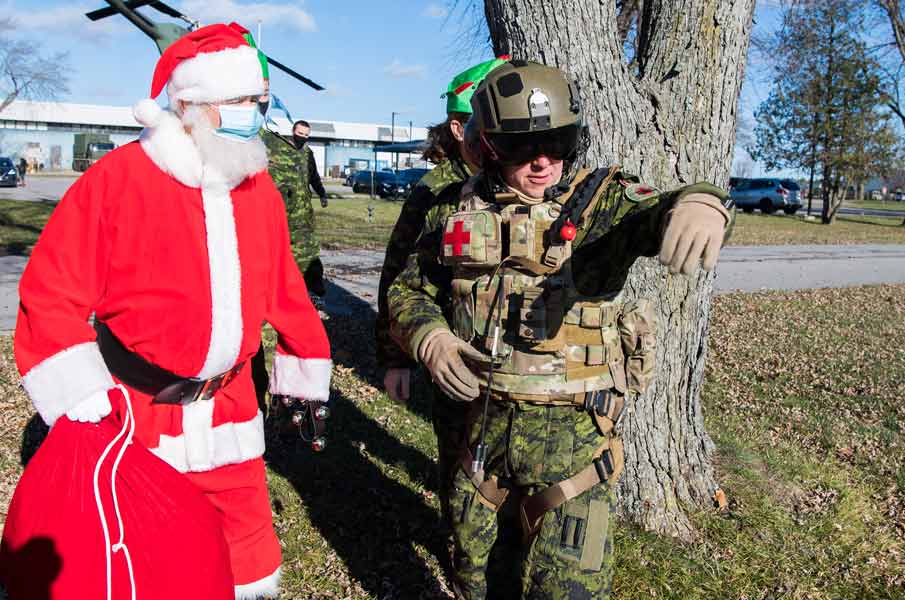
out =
column 753, row 268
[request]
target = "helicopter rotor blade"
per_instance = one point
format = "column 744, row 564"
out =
column 292, row 73
column 166, row 9
column 109, row 11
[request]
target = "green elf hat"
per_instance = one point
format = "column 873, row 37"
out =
column 463, row 85
column 261, row 57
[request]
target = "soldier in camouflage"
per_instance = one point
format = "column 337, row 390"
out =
column 294, row 172
column 516, row 297
column 430, row 201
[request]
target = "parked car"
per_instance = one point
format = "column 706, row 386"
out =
column 385, row 183
column 898, row 196
column 409, row 178
column 9, row 176
column 876, row 195
column 767, row 195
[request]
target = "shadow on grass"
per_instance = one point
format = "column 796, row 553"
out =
column 353, row 346
column 373, row 522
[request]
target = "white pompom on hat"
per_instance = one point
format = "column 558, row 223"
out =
column 207, row 65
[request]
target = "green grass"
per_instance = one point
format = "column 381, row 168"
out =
column 759, row 230
column 875, row 204
column 345, row 222
column 803, row 399
column 21, row 224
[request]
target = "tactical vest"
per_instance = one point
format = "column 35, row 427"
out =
column 512, row 274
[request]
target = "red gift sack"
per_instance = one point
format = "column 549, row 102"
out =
column 163, row 539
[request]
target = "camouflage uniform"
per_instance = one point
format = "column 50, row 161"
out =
column 289, row 169
column 533, row 445
column 431, row 195
column 432, row 200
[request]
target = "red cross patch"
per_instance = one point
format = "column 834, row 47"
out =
column 456, row 237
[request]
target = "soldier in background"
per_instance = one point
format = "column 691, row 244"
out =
column 431, row 200
column 294, row 171
column 516, row 297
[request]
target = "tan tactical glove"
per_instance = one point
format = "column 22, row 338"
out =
column 441, row 352
column 396, row 383
column 695, row 232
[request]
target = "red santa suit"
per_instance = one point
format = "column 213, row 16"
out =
column 184, row 267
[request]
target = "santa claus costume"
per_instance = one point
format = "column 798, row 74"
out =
column 180, row 259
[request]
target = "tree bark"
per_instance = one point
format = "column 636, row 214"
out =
column 673, row 123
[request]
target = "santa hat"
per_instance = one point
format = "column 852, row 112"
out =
column 210, row 64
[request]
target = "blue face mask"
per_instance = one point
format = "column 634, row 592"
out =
column 240, row 123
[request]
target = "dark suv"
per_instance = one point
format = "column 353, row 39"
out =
column 9, row 176
column 361, row 183
column 767, row 195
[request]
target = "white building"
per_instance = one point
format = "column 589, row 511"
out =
column 44, row 132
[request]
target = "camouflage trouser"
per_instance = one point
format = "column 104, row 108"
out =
column 450, row 420
column 529, row 448
column 306, row 252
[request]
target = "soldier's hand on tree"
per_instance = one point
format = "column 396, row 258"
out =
column 695, row 233
column 92, row 409
column 396, row 383
column 441, row 352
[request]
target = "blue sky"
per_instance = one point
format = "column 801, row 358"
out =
column 374, row 58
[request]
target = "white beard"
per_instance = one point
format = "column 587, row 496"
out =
column 234, row 160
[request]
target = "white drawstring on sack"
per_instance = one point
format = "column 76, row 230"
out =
column 128, row 430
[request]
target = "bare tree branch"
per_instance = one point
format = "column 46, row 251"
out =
column 893, row 10
column 26, row 73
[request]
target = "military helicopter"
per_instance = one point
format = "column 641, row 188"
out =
column 165, row 34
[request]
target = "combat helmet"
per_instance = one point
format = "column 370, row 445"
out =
column 524, row 109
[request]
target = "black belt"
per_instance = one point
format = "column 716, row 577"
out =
column 146, row 377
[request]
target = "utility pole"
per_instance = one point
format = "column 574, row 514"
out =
column 393, row 135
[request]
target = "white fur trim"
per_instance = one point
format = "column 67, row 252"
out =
column 204, row 448
column 225, row 275
column 213, row 76
column 61, row 381
column 198, row 431
column 147, row 112
column 307, row 378
column 269, row 587
column 173, row 150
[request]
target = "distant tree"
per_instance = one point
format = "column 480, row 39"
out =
column 825, row 112
column 892, row 11
column 26, row 72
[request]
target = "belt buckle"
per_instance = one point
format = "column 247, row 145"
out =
column 208, row 388
column 215, row 383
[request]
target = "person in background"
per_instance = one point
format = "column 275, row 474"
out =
column 431, row 200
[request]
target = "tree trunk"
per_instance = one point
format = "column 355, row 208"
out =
column 673, row 122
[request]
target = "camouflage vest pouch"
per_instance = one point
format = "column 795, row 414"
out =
column 509, row 269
